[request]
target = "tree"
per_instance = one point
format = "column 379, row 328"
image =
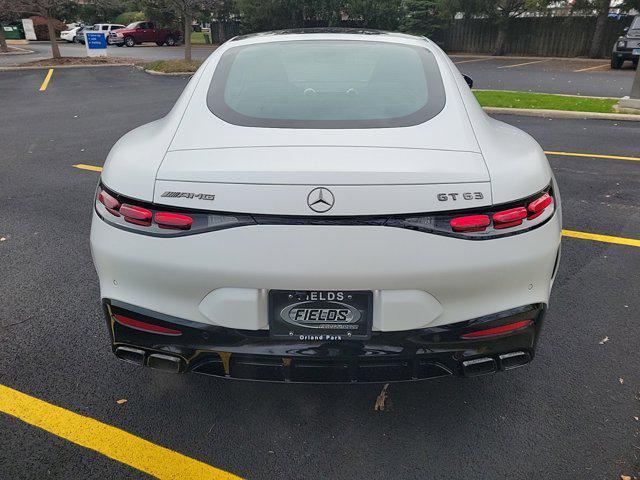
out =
column 48, row 9
column 185, row 10
column 4, row 15
column 381, row 14
column 425, row 17
column 501, row 12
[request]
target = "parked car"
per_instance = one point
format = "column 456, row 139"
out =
column 627, row 47
column 71, row 35
column 106, row 28
column 144, row 32
column 329, row 205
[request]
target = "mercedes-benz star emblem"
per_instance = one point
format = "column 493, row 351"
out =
column 320, row 200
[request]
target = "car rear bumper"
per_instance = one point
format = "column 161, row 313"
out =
column 386, row 357
column 418, row 280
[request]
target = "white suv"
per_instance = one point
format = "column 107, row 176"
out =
column 99, row 27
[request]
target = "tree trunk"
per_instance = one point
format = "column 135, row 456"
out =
column 188, row 19
column 595, row 51
column 222, row 36
column 3, row 41
column 55, row 50
column 501, row 41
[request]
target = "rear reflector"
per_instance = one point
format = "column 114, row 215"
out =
column 173, row 220
column 497, row 330
column 137, row 215
column 472, row 223
column 145, row 327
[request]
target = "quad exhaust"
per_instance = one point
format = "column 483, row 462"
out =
column 158, row 361
column 487, row 365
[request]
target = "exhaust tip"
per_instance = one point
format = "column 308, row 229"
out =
column 131, row 355
column 509, row 361
column 166, row 363
column 478, row 366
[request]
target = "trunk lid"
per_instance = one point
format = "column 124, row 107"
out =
column 362, row 180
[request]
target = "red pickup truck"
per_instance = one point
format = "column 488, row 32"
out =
column 141, row 32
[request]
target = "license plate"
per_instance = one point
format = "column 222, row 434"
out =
column 636, row 51
column 320, row 315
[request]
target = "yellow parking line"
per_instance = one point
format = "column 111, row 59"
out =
column 602, row 238
column 93, row 168
column 594, row 155
column 591, row 68
column 45, row 83
column 110, row 441
column 523, row 64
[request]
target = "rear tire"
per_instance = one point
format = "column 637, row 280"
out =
column 616, row 63
column 170, row 41
column 159, row 44
column 129, row 41
column 75, row 39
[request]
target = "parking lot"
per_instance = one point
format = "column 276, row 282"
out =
column 573, row 413
column 573, row 76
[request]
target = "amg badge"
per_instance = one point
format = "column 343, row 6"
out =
column 199, row 196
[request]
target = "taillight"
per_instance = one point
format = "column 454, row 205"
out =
column 501, row 330
column 110, row 203
column 509, row 218
column 173, row 220
column 485, row 223
column 137, row 215
column 537, row 207
column 471, row 223
column 148, row 219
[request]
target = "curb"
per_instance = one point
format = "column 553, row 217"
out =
column 166, row 74
column 23, row 51
column 526, row 112
column 46, row 67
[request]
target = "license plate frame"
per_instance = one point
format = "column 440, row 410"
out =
column 320, row 315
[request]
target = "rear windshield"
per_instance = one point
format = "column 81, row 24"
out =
column 326, row 84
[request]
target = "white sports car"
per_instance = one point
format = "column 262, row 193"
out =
column 326, row 206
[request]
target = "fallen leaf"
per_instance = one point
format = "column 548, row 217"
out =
column 2, row 239
column 625, row 477
column 604, row 340
column 621, row 380
column 637, row 419
column 121, row 401
column 382, row 398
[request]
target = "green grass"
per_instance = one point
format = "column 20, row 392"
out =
column 504, row 99
column 172, row 66
column 197, row 38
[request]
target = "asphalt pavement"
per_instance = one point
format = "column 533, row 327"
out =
column 572, row 76
column 569, row 76
column 145, row 52
column 572, row 413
